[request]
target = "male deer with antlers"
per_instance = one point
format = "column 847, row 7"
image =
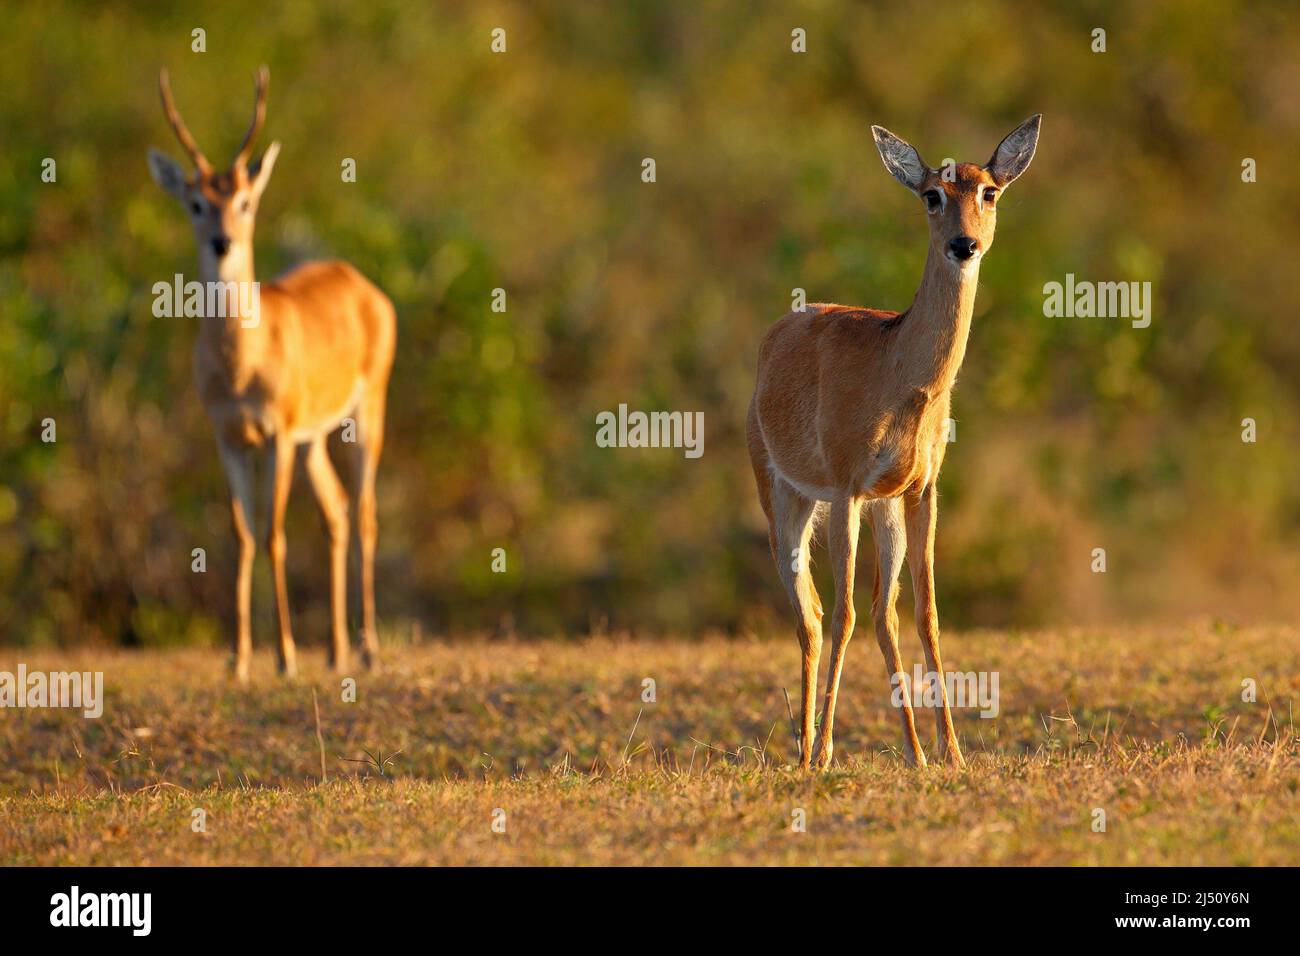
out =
column 850, row 408
column 318, row 348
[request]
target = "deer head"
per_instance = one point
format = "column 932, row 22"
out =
column 222, row 206
column 961, row 202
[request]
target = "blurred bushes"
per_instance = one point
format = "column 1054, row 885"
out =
column 522, row 171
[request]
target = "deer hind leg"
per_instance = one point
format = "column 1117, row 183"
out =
column 371, row 444
column 922, row 515
column 846, row 515
column 279, row 478
column 238, row 466
column 792, row 526
column 888, row 530
column 333, row 501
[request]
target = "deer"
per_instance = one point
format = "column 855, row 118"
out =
column 315, row 353
column 849, row 412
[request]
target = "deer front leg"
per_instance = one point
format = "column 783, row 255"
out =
column 239, row 475
column 843, row 532
column 887, row 529
column 279, row 478
column 922, row 518
column 333, row 501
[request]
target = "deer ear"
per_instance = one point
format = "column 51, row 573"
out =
column 259, row 171
column 901, row 158
column 168, row 174
column 1013, row 155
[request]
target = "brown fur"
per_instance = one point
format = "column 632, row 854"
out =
column 850, row 408
column 319, row 349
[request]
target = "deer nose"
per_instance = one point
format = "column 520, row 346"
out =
column 964, row 247
column 220, row 245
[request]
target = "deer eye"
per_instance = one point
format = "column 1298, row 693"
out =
column 195, row 207
column 243, row 206
column 932, row 200
column 990, row 196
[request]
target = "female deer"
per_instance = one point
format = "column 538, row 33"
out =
column 849, row 408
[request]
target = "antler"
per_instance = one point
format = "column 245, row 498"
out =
column 178, row 126
column 262, row 78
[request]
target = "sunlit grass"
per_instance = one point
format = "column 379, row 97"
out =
column 1145, row 725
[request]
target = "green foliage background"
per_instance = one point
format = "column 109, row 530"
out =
column 522, row 171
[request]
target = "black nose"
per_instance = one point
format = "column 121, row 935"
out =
column 963, row 247
column 220, row 245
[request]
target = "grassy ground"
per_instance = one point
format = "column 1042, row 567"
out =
column 554, row 742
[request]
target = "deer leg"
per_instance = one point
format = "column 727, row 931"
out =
column 371, row 436
column 333, row 501
column 792, row 520
column 888, row 531
column 279, row 478
column 922, row 517
column 845, row 519
column 239, row 475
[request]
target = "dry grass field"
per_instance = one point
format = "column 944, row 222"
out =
column 553, row 740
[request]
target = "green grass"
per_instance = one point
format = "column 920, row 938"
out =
column 1147, row 725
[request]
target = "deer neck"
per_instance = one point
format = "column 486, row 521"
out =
column 234, row 333
column 932, row 340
